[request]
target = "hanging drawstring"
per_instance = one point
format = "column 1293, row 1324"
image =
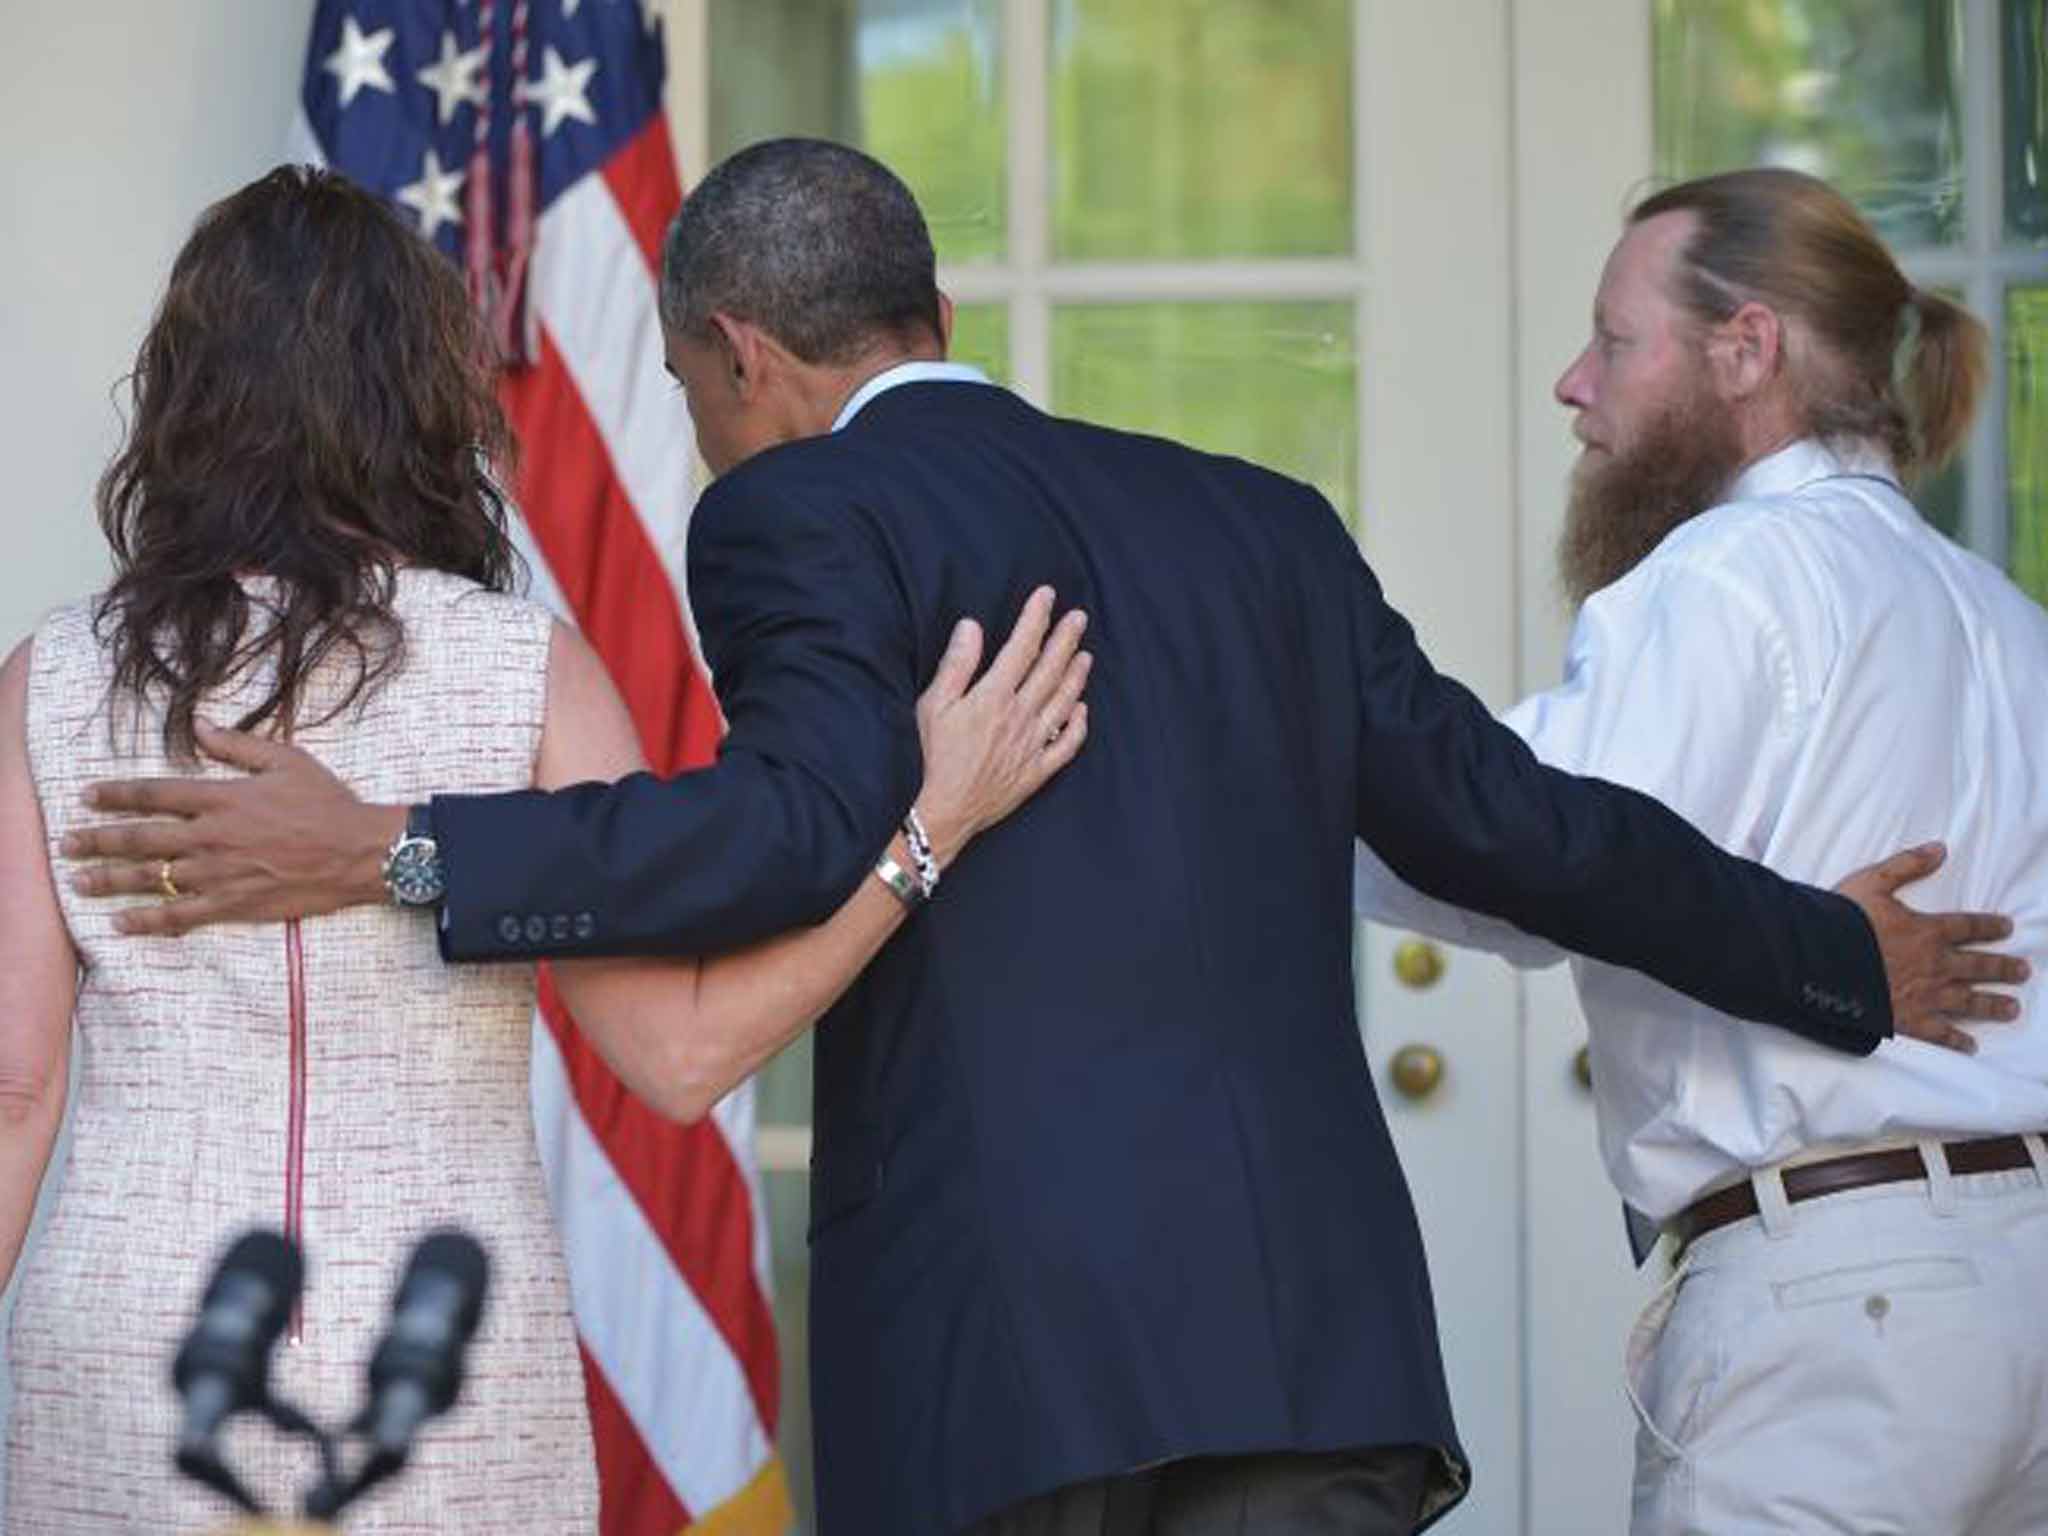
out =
column 497, row 268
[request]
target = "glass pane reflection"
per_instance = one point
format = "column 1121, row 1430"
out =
column 917, row 83
column 1865, row 93
column 2026, row 319
column 1940, row 499
column 981, row 336
column 931, row 108
column 1276, row 383
column 1188, row 129
column 789, row 1214
column 2023, row 56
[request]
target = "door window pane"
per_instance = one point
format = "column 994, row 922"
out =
column 931, row 108
column 789, row 1215
column 1864, row 93
column 782, row 1097
column 981, row 336
column 2026, row 318
column 2023, row 53
column 1940, row 499
column 1184, row 129
column 916, row 83
column 1276, row 383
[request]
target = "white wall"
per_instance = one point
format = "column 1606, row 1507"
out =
column 122, row 120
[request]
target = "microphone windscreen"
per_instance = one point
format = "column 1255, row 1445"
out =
column 453, row 1258
column 268, row 1257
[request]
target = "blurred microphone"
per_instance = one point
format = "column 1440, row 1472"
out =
column 223, row 1367
column 417, row 1370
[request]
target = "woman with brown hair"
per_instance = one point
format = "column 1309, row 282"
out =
column 308, row 543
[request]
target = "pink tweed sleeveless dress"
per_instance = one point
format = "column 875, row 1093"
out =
column 332, row 1077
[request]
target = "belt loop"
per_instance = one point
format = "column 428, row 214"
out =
column 2037, row 1149
column 1941, row 1183
column 1773, row 1210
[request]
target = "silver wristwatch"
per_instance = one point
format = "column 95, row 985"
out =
column 412, row 868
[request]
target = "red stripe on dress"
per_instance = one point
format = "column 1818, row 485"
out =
column 634, row 1499
column 643, row 181
column 295, row 1114
column 608, row 569
column 685, row 1180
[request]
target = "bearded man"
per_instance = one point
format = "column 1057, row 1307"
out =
column 1772, row 641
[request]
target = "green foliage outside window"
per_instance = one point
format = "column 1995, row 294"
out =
column 2027, row 435
column 1866, row 93
column 1191, row 129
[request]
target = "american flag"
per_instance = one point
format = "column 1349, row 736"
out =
column 526, row 139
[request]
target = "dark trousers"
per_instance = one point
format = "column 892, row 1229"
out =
column 1376, row 1492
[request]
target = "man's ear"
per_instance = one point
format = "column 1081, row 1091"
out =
column 945, row 325
column 1747, row 350
column 744, row 357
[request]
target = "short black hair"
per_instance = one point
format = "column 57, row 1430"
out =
column 821, row 246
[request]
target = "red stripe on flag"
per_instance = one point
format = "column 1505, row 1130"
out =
column 683, row 1177
column 695, row 1197
column 635, row 1499
column 642, row 176
column 608, row 570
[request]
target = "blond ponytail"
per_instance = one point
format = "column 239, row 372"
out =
column 1942, row 381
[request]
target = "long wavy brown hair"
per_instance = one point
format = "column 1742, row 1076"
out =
column 314, row 404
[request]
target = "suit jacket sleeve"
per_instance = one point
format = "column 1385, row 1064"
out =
column 809, row 638
column 1458, row 807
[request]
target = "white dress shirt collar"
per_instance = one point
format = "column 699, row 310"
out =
column 1800, row 464
column 907, row 373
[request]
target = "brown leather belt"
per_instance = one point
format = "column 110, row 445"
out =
column 1859, row 1170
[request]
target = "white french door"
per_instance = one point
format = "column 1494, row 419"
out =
column 1282, row 228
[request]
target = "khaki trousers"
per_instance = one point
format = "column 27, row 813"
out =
column 1871, row 1363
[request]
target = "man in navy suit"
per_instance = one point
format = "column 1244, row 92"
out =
column 1108, row 1234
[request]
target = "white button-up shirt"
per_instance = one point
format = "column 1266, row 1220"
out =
column 1816, row 679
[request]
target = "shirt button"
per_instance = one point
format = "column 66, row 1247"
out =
column 586, row 925
column 508, row 928
column 536, row 929
column 558, row 927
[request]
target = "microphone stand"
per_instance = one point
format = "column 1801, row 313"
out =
column 200, row 1458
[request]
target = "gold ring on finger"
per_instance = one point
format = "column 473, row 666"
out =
column 165, row 883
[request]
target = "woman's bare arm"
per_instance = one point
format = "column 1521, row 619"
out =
column 682, row 1034
column 41, row 971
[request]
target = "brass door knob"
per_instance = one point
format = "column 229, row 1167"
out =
column 1582, row 1066
column 1419, row 964
column 1416, row 1071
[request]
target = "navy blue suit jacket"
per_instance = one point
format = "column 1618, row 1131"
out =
column 1100, row 1175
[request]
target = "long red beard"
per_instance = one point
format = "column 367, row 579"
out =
column 1623, row 505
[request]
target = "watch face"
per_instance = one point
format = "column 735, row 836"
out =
column 415, row 873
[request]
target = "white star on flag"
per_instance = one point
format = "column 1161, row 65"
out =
column 359, row 61
column 432, row 197
column 561, row 91
column 454, row 78
column 569, row 8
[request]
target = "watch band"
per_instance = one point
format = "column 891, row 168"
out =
column 908, row 889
